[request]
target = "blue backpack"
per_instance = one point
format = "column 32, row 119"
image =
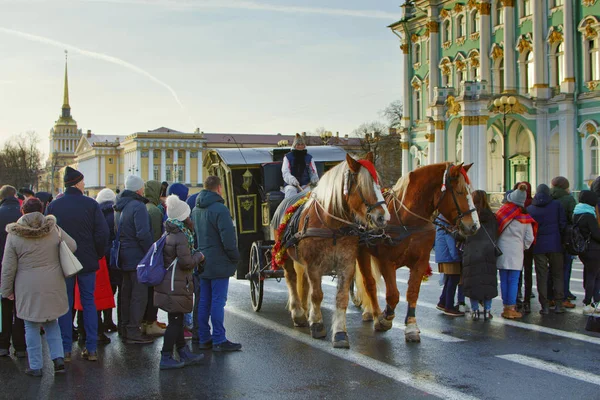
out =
column 151, row 269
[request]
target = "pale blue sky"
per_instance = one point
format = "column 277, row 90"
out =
column 237, row 66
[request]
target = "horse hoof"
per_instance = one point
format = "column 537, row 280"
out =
column 412, row 334
column 318, row 331
column 367, row 317
column 340, row 341
column 382, row 324
column 300, row 322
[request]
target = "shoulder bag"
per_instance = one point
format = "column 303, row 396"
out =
column 69, row 263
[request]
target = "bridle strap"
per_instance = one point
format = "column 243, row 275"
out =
column 370, row 207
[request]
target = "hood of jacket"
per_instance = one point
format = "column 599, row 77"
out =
column 106, row 205
column 152, row 192
column 541, row 200
column 207, row 198
column 557, row 193
column 32, row 225
column 126, row 197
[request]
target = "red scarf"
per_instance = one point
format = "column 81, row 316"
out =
column 510, row 211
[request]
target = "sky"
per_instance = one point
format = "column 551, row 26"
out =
column 272, row 66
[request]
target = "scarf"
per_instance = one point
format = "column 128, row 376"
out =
column 188, row 233
column 583, row 208
column 299, row 164
column 510, row 211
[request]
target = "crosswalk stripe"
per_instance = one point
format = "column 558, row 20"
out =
column 551, row 367
column 416, row 381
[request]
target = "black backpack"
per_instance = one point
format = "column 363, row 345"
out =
column 575, row 242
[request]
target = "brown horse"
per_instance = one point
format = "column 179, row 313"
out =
column 412, row 202
column 346, row 198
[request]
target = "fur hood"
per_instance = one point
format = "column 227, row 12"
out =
column 33, row 225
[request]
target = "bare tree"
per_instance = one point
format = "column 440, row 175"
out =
column 375, row 137
column 393, row 114
column 20, row 161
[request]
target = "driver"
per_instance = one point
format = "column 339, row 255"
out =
column 298, row 168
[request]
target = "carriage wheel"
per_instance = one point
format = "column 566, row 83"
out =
column 257, row 261
column 355, row 299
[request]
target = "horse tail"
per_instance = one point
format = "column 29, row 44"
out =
column 361, row 298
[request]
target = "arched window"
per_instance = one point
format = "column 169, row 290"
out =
column 427, row 50
column 416, row 53
column 474, row 70
column 560, row 59
column 593, row 59
column 459, row 79
column 417, row 111
column 501, row 75
column 499, row 13
column 525, row 8
column 460, row 26
column 474, row 22
column 529, row 72
column 594, row 157
column 447, row 33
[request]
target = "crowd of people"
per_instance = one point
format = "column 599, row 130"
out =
column 109, row 236
column 525, row 233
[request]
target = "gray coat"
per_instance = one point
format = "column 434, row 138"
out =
column 513, row 241
column 31, row 268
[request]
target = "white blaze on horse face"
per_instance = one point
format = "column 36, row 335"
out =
column 386, row 215
column 474, row 214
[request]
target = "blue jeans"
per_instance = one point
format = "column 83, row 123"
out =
column 568, row 266
column 87, row 283
column 213, row 297
column 487, row 304
column 34, row 342
column 509, row 284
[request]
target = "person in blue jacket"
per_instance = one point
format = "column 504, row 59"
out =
column 81, row 218
column 448, row 257
column 547, row 249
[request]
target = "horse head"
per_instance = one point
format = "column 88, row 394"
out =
column 455, row 202
column 364, row 197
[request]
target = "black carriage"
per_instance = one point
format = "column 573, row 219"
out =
column 252, row 189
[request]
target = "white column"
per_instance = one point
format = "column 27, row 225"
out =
column 541, row 88
column 567, row 138
column 103, row 171
column 138, row 165
column 176, row 163
column 467, row 139
column 485, row 32
column 481, row 164
column 200, row 168
column 439, row 141
column 150, row 164
column 118, row 164
column 407, row 98
column 568, row 85
column 434, row 48
column 509, row 47
column 163, row 165
column 405, row 157
column 187, row 178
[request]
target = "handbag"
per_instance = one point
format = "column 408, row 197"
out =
column 593, row 321
column 69, row 263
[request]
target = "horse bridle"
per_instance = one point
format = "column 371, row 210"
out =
column 351, row 180
column 448, row 185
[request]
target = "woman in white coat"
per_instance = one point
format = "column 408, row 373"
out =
column 516, row 230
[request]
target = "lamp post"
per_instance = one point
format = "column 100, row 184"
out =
column 325, row 136
column 175, row 172
column 505, row 105
column 133, row 169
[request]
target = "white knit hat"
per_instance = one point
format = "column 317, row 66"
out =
column 134, row 183
column 177, row 209
column 106, row 195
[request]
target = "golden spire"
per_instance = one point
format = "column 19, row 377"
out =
column 66, row 94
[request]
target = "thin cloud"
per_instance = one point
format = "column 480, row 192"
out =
column 98, row 56
column 257, row 6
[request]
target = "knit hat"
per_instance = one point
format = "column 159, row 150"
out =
column 298, row 140
column 560, row 182
column 32, row 204
column 180, row 190
column 588, row 197
column 106, row 195
column 134, row 183
column 72, row 177
column 518, row 196
column 26, row 192
column 543, row 188
column 177, row 209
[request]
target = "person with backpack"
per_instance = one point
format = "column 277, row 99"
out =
column 516, row 232
column 175, row 294
column 548, row 249
column 584, row 217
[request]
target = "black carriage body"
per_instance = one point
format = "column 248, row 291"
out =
column 252, row 188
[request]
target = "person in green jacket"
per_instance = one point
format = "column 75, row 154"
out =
column 560, row 191
column 150, row 325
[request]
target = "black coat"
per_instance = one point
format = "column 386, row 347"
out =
column 10, row 211
column 479, row 272
column 588, row 226
column 81, row 218
column 136, row 234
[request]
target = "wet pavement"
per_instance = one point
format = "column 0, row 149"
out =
column 537, row 357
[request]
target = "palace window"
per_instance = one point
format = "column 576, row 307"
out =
column 168, row 174
column 529, row 72
column 593, row 60
column 459, row 79
column 416, row 53
column 460, row 26
column 501, row 75
column 474, row 22
column 427, row 51
column 559, row 60
column 111, row 179
column 594, row 157
column 557, row 3
column 447, row 31
column 180, row 154
column 156, row 173
column 156, row 153
column 525, row 8
column 499, row 13
column 169, row 155
column 417, row 112
column 180, row 175
column 110, row 160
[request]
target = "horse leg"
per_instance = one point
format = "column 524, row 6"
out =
column 302, row 286
column 366, row 284
column 315, row 318
column 392, row 296
column 418, row 270
column 294, row 302
column 339, row 329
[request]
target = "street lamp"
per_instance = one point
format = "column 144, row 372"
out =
column 175, row 172
column 133, row 169
column 505, row 105
column 325, row 136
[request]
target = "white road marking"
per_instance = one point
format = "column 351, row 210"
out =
column 416, row 381
column 554, row 368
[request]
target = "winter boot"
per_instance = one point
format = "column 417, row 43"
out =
column 510, row 312
column 189, row 358
column 168, row 362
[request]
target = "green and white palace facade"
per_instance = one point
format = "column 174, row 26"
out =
column 459, row 57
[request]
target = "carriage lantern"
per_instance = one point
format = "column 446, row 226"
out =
column 247, row 180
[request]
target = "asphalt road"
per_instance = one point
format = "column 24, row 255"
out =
column 538, row 357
